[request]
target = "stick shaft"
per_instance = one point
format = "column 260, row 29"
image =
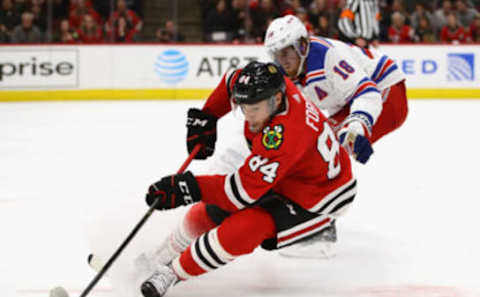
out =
column 134, row 231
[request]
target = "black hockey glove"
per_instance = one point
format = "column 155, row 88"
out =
column 174, row 191
column 201, row 128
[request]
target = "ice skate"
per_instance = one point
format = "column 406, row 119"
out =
column 159, row 282
column 319, row 246
column 171, row 248
column 149, row 261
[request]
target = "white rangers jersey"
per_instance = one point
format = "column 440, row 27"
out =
column 339, row 74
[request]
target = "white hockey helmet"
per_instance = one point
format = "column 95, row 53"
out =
column 287, row 31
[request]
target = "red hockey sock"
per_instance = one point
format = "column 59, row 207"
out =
column 239, row 234
column 197, row 221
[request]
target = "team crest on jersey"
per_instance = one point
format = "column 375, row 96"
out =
column 272, row 137
column 272, row 69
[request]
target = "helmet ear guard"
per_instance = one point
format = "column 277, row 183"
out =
column 302, row 47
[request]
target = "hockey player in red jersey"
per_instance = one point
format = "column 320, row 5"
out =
column 295, row 181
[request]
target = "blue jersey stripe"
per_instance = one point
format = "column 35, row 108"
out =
column 392, row 68
column 367, row 90
column 379, row 67
column 367, row 115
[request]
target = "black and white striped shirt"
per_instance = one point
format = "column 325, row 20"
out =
column 359, row 18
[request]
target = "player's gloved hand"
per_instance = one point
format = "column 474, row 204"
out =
column 201, row 128
column 353, row 137
column 174, row 191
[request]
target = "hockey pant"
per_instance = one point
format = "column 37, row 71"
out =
column 274, row 222
column 394, row 112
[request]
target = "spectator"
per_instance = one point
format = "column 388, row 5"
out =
column 219, row 25
column 440, row 15
column 324, row 28
column 205, row 7
column 169, row 33
column 66, row 34
column 26, row 32
column 123, row 24
column 334, row 14
column 90, row 31
column 138, row 7
column 4, row 36
column 261, row 17
column 78, row 9
column 399, row 32
column 397, row 6
column 75, row 3
column 60, row 9
column 385, row 19
column 389, row 8
column 21, row 6
column 301, row 13
column 9, row 16
column 465, row 14
column 291, row 7
column 420, row 12
column 249, row 34
column 39, row 16
column 239, row 16
column 103, row 8
column 123, row 31
column 475, row 29
column 162, row 36
column 316, row 9
column 452, row 32
column 424, row 32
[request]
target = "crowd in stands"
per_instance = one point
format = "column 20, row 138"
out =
column 401, row 21
column 69, row 21
column 237, row 21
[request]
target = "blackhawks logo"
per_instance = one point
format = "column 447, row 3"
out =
column 272, row 138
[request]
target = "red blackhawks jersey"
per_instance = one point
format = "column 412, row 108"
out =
column 296, row 155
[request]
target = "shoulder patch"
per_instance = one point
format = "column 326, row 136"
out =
column 317, row 54
column 272, row 137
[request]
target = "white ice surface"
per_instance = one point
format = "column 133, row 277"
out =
column 73, row 177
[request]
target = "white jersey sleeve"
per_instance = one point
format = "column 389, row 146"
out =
column 380, row 68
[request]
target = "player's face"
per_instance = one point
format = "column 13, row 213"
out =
column 257, row 115
column 289, row 60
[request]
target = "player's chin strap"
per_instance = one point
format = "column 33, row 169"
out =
column 302, row 51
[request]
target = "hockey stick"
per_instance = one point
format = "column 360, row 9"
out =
column 61, row 292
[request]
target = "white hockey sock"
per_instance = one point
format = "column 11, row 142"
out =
column 172, row 247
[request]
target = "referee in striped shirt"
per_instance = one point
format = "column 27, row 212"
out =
column 359, row 22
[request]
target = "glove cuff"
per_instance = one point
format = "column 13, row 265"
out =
column 188, row 187
column 362, row 118
column 199, row 118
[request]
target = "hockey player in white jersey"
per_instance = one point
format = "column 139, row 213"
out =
column 362, row 92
